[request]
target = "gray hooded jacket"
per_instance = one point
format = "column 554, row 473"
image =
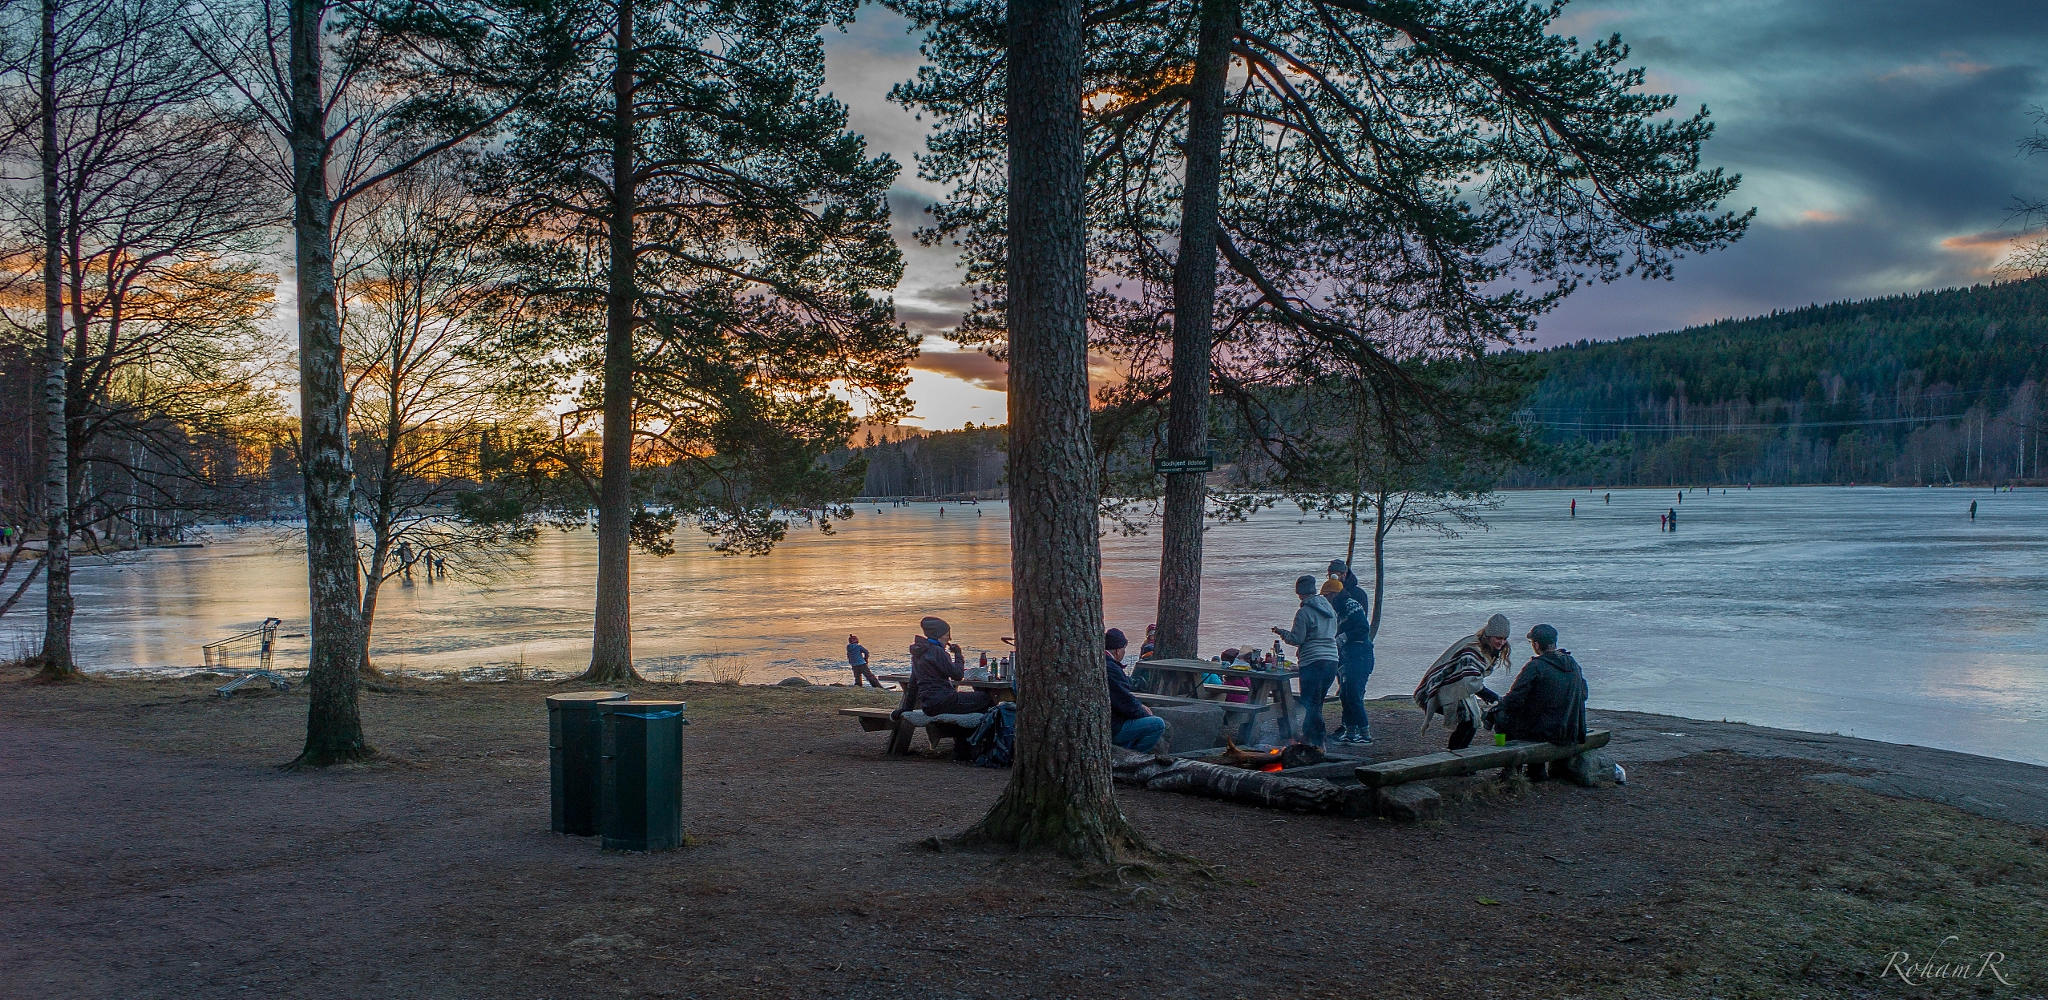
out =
column 1315, row 630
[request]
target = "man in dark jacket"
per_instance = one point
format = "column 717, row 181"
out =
column 1131, row 724
column 935, row 666
column 1548, row 701
column 1354, row 651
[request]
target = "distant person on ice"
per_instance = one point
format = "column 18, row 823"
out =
column 1455, row 684
column 857, row 658
column 1547, row 704
column 1314, row 636
column 935, row 666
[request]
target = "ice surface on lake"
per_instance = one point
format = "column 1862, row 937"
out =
column 1882, row 613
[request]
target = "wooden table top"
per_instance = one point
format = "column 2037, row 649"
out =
column 1213, row 667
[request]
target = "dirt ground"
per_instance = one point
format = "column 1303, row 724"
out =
column 152, row 849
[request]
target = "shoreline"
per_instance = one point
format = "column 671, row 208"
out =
column 1994, row 787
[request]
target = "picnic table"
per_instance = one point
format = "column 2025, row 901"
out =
column 1181, row 684
column 1003, row 690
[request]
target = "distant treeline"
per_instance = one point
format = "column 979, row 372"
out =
column 1931, row 388
column 936, row 464
column 1928, row 388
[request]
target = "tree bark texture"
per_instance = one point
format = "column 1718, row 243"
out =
column 334, row 730
column 56, row 657
column 611, row 644
column 1379, row 559
column 1194, row 312
column 1060, row 796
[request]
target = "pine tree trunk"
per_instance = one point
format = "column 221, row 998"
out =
column 334, row 729
column 1060, row 795
column 56, row 657
column 611, row 645
column 1194, row 312
column 1379, row 560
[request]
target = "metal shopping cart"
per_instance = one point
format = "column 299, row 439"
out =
column 254, row 645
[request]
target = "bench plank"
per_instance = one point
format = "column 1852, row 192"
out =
column 1471, row 760
column 872, row 720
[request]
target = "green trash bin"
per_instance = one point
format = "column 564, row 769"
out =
column 641, row 773
column 573, row 738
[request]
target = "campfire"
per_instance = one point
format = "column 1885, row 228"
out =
column 1271, row 760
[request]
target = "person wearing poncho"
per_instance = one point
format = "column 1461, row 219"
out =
column 1455, row 684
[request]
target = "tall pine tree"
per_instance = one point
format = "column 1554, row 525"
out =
column 701, row 240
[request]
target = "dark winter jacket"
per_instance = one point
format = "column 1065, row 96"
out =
column 934, row 670
column 856, row 655
column 1123, row 705
column 1547, row 703
column 1354, row 627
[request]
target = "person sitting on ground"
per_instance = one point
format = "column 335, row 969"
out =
column 1455, row 684
column 1131, row 725
column 1314, row 637
column 1547, row 703
column 935, row 667
column 857, row 658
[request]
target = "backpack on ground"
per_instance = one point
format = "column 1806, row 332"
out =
column 996, row 738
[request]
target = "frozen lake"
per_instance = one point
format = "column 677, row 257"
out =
column 1880, row 613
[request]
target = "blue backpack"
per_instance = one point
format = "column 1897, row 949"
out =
column 996, row 738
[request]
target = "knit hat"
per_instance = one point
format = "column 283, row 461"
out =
column 1114, row 639
column 1544, row 634
column 934, row 627
column 853, row 638
column 1338, row 567
column 1306, row 586
column 1332, row 587
column 1496, row 627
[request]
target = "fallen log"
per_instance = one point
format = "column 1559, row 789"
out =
column 1472, row 760
column 1235, row 784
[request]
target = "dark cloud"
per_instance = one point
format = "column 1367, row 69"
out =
column 972, row 367
column 1877, row 141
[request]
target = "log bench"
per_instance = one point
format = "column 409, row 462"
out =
column 1472, row 760
column 1243, row 715
column 901, row 729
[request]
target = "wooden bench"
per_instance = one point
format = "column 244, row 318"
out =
column 1472, row 760
column 1243, row 715
column 876, row 720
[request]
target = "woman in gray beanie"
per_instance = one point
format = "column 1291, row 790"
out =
column 936, row 665
column 1455, row 684
column 1314, row 637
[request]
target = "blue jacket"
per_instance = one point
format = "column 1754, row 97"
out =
column 1354, row 638
column 856, row 655
column 1123, row 705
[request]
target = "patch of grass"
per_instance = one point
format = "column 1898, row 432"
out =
column 1836, row 911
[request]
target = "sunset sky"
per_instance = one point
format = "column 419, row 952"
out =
column 1877, row 141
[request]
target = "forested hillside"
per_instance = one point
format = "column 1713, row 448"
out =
column 1935, row 387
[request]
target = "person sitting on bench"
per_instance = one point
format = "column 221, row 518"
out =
column 935, row 666
column 1548, row 701
column 1131, row 725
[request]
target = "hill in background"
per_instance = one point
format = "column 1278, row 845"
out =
column 1930, row 388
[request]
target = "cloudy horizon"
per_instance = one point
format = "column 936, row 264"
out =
column 1878, row 143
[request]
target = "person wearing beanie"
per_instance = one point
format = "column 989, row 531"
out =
column 1314, row 637
column 1547, row 703
column 857, row 658
column 1131, row 725
column 935, row 667
column 1455, row 684
column 1354, row 654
